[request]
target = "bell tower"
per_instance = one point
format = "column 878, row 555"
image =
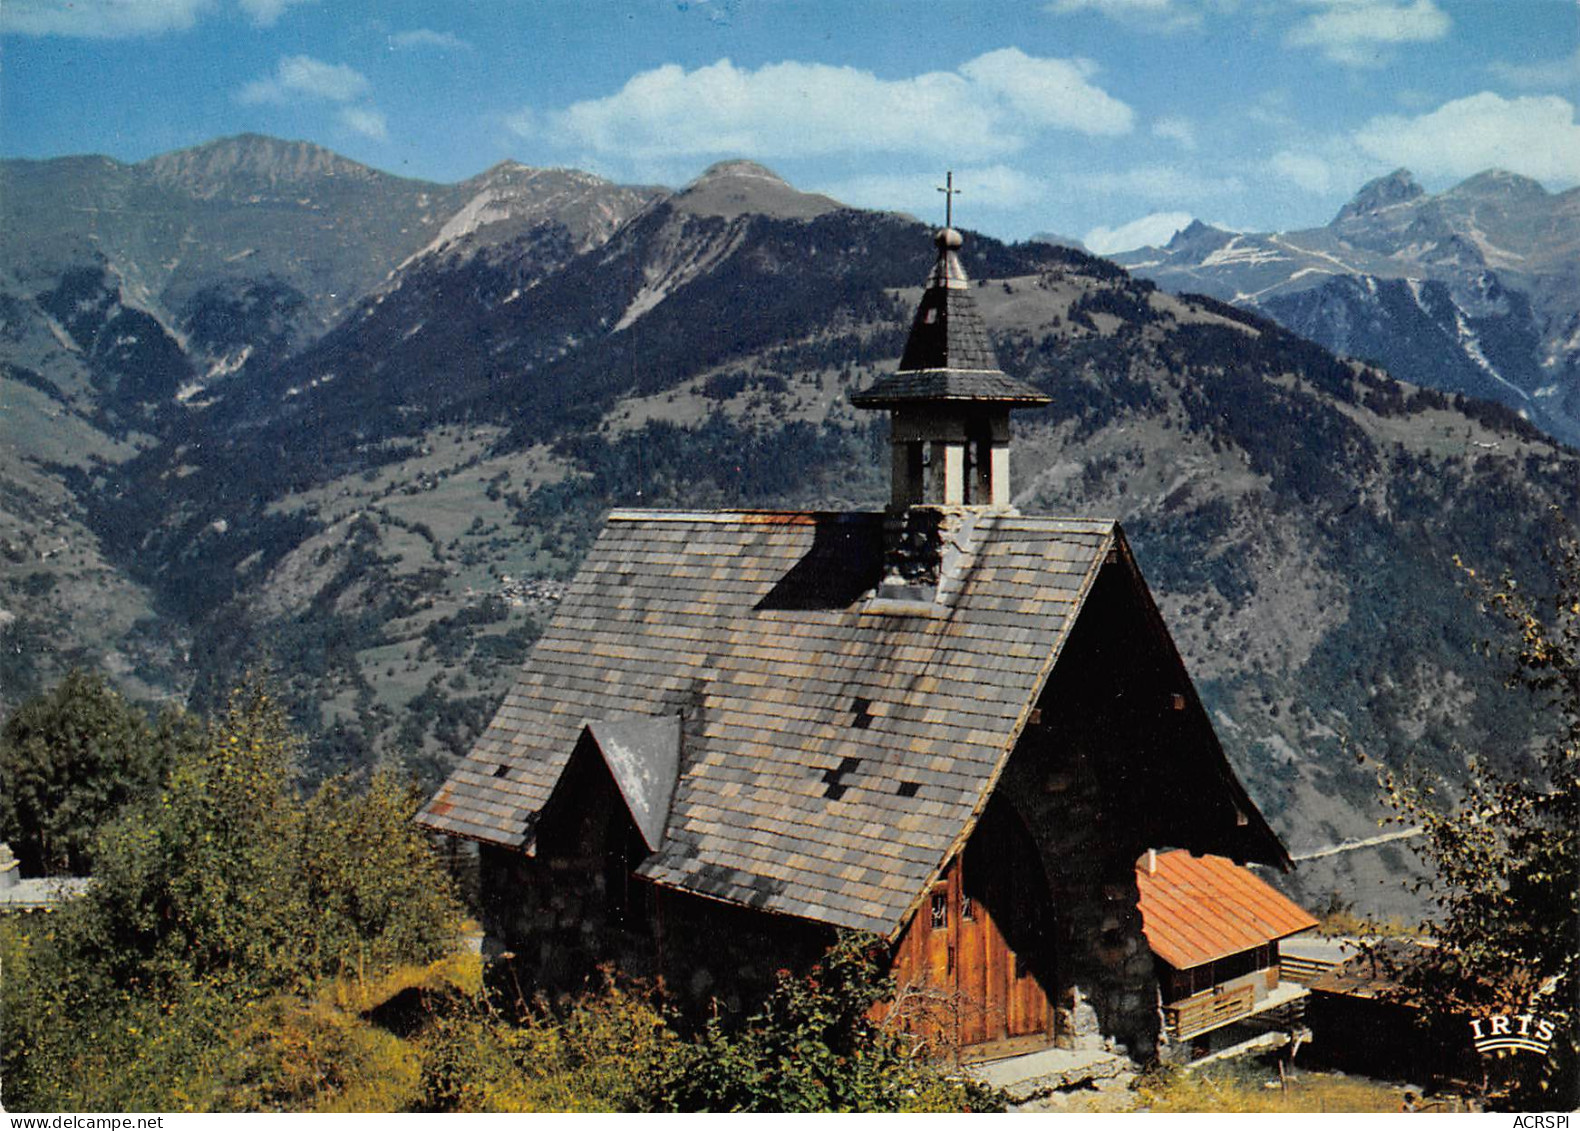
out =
column 949, row 406
column 949, row 402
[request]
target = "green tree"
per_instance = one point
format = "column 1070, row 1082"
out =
column 379, row 893
column 1506, row 856
column 70, row 760
column 212, row 898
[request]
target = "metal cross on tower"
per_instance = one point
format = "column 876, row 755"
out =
column 950, row 192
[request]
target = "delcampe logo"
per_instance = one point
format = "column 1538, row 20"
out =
column 1503, row 1032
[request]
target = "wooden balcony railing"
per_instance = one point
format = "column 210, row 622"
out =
column 1208, row 1010
column 1302, row 970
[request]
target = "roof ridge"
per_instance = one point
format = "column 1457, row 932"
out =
column 1094, row 524
column 744, row 516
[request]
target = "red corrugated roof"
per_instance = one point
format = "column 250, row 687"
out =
column 1198, row 909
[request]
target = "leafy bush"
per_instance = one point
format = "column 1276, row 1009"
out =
column 814, row 1046
column 1506, row 858
column 306, row 1055
column 603, row 1052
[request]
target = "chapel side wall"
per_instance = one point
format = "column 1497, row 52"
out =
column 550, row 913
column 711, row 953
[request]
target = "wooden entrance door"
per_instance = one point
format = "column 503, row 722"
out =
column 975, row 965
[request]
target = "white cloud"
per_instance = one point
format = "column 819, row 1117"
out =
column 1304, row 170
column 1536, row 136
column 99, row 19
column 426, row 37
column 1149, row 231
column 992, row 106
column 1049, row 92
column 299, row 77
column 1358, row 33
column 1563, row 72
column 1178, row 130
column 1161, row 183
column 1152, row 15
column 266, row 13
column 122, row 19
column 982, row 189
column 365, row 120
column 1272, row 108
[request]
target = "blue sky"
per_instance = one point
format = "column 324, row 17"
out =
column 1106, row 119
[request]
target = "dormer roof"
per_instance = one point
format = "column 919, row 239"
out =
column 643, row 756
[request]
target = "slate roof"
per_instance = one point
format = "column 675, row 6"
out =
column 1198, row 909
column 1375, row 973
column 947, row 385
column 948, row 355
column 835, row 750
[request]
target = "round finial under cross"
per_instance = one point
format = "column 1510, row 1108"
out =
column 948, row 239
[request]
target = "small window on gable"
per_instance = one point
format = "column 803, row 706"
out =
column 968, row 909
column 940, row 911
column 931, row 316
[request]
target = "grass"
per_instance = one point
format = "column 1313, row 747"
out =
column 1250, row 1086
column 1343, row 922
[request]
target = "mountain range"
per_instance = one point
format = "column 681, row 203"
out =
column 1473, row 290
column 267, row 408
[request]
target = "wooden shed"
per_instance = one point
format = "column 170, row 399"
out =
column 1362, row 1019
column 1214, row 929
column 947, row 723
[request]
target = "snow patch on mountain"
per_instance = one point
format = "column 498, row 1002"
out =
column 1238, row 253
column 1469, row 342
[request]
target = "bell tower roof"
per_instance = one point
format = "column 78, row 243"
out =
column 948, row 356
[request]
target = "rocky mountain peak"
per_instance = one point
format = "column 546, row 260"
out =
column 511, row 171
column 1499, row 184
column 1197, row 239
column 1398, row 187
column 251, row 161
column 739, row 170
column 731, row 188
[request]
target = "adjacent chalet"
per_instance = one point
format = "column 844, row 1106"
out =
column 41, row 893
column 949, row 724
column 1214, row 929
